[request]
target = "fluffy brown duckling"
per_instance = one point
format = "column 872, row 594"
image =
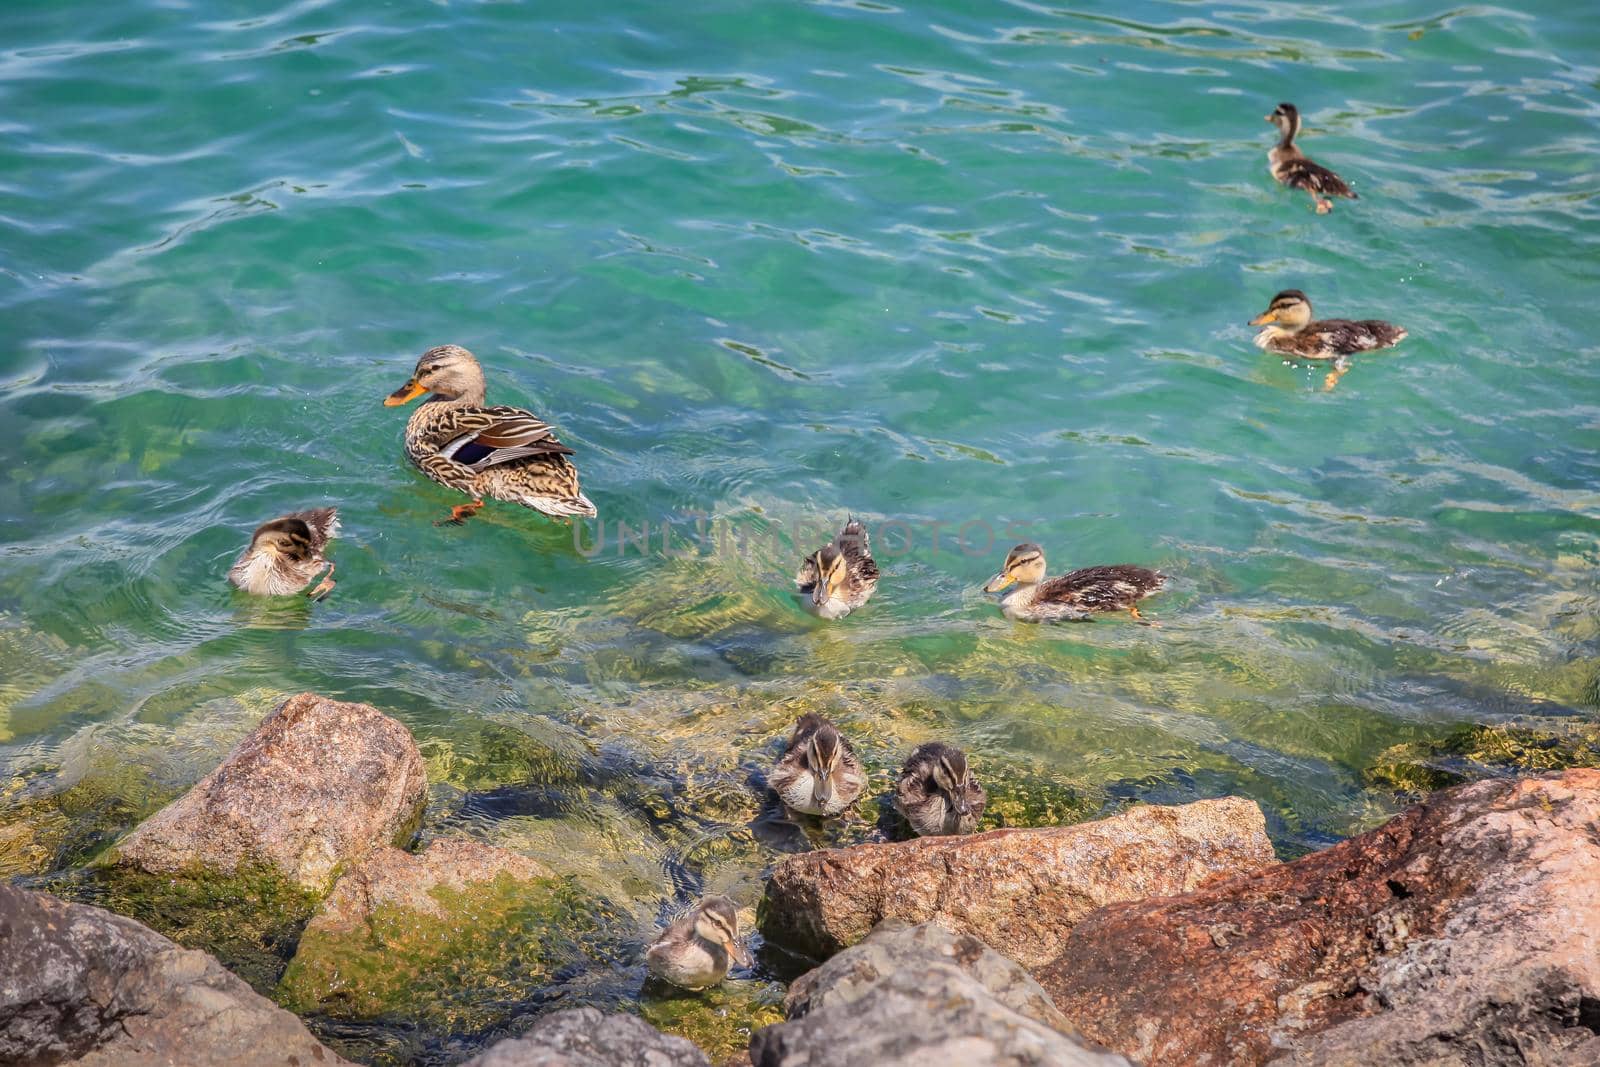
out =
column 1291, row 167
column 286, row 553
column 818, row 772
column 1073, row 597
column 501, row 452
column 840, row 576
column 936, row 792
column 694, row 951
column 1292, row 331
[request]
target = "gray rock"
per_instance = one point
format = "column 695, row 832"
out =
column 80, row 985
column 920, row 996
column 896, row 945
column 583, row 1037
column 317, row 785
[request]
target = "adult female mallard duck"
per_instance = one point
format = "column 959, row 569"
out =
column 840, row 576
column 818, row 772
column 936, row 792
column 286, row 553
column 1292, row 331
column 1073, row 597
column 501, row 452
column 694, row 951
column 1291, row 167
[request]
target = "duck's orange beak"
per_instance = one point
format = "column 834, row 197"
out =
column 404, row 395
column 1260, row 320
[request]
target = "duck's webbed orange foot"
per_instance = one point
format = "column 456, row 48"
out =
column 461, row 513
column 1338, row 371
column 1133, row 609
column 324, row 587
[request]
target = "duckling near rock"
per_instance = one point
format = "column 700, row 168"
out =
column 818, row 772
column 286, row 553
column 1291, row 331
column 840, row 576
column 1073, row 597
column 694, row 951
column 936, row 792
column 502, row 452
column 1291, row 167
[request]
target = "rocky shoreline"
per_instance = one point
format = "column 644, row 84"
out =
column 1463, row 931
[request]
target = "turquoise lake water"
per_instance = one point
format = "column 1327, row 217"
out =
column 953, row 267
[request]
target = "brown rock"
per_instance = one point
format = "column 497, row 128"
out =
column 1020, row 891
column 315, row 787
column 80, row 985
column 1464, row 931
column 392, row 876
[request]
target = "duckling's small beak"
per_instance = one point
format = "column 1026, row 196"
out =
column 998, row 582
column 821, row 791
column 404, row 395
column 962, row 807
column 740, row 954
column 819, row 592
column 1271, row 117
column 1264, row 318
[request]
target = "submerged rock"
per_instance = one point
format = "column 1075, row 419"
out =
column 1464, row 931
column 1474, row 752
column 428, row 935
column 584, row 1037
column 1020, row 891
column 918, row 996
column 80, row 985
column 315, row 787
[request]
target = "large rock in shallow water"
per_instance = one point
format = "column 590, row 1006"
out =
column 1020, row 891
column 424, row 934
column 315, row 787
column 918, row 996
column 583, row 1037
column 1464, row 931
column 80, row 985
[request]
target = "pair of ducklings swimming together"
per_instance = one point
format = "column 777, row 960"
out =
column 819, row 774
column 841, row 576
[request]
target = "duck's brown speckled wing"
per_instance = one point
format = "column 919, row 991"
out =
column 857, row 551
column 1344, row 337
column 480, row 438
column 1302, row 173
column 1102, row 588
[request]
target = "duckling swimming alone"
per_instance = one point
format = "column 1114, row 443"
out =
column 839, row 577
column 936, row 792
column 286, row 553
column 694, row 951
column 501, row 452
column 818, row 772
column 1291, row 167
column 1073, row 597
column 1292, row 331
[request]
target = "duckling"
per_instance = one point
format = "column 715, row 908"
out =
column 839, row 577
column 501, row 452
column 937, row 793
column 1291, row 167
column 818, row 772
column 286, row 553
column 1073, row 597
column 1291, row 330
column 694, row 951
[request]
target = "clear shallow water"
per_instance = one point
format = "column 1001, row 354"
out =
column 946, row 264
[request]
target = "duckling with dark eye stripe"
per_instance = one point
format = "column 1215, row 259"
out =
column 695, row 950
column 1291, row 167
column 286, row 553
column 840, row 576
column 1073, row 597
column 1291, row 331
column 818, row 773
column 936, row 792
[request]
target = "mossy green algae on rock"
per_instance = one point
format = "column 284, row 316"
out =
column 1483, row 752
column 487, row 946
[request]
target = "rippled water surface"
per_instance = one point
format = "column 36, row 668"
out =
column 966, row 270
